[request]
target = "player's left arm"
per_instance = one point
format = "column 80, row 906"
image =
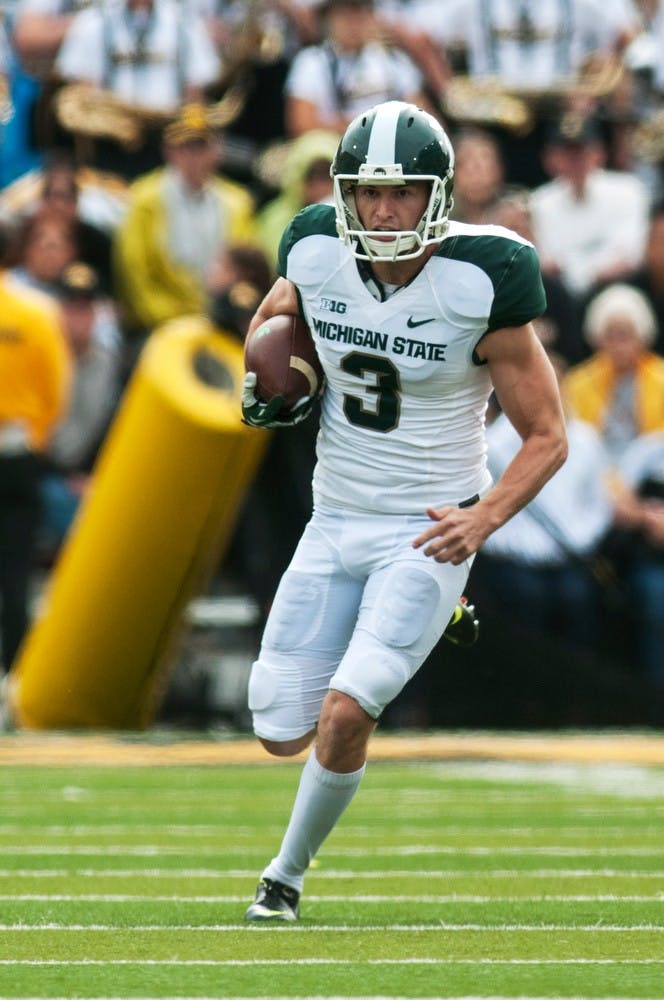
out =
column 527, row 389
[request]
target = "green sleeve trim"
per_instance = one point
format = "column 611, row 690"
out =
column 519, row 292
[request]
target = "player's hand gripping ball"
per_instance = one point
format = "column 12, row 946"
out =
column 284, row 374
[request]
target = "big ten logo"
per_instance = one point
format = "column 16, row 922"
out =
column 331, row 305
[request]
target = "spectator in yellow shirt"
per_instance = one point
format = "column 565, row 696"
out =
column 34, row 381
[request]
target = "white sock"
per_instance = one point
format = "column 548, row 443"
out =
column 321, row 798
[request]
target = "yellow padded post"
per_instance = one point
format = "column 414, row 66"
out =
column 167, row 487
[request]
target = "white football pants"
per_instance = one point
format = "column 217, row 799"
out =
column 358, row 610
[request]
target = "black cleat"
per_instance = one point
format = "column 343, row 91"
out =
column 463, row 627
column 274, row 902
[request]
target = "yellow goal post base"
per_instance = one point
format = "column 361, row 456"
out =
column 163, row 501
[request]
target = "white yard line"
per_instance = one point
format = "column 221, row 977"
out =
column 346, row 996
column 341, row 928
column 212, row 830
column 332, row 898
column 254, row 962
column 155, row 850
column 332, row 873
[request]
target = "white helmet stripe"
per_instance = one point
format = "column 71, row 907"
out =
column 383, row 140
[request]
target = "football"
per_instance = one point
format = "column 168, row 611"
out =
column 282, row 354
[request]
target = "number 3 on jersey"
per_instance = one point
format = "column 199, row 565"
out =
column 387, row 390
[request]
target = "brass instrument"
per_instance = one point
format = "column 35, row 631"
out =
column 99, row 114
column 486, row 100
column 6, row 107
column 253, row 39
column 89, row 111
column 648, row 138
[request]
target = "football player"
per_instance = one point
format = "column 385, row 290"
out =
column 416, row 319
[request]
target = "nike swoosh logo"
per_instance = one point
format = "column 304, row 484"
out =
column 412, row 323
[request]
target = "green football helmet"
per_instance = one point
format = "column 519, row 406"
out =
column 393, row 143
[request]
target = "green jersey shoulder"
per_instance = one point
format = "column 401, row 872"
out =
column 511, row 264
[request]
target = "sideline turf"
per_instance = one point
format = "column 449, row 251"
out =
column 443, row 879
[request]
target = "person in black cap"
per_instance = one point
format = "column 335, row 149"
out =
column 590, row 224
column 179, row 218
column 61, row 194
column 95, row 392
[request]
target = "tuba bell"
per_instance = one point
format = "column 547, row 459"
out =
column 487, row 101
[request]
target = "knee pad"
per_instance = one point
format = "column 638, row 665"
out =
column 262, row 688
column 393, row 638
column 376, row 677
column 296, row 613
column 405, row 608
column 285, row 695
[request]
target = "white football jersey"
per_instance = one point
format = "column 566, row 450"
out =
column 402, row 419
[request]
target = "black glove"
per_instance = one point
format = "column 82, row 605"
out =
column 256, row 413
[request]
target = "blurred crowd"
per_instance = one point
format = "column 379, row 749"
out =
column 151, row 153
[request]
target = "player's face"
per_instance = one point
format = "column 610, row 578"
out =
column 391, row 207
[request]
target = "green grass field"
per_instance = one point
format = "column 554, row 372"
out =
column 444, row 879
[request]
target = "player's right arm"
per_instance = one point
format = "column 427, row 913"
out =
column 284, row 298
column 280, row 300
